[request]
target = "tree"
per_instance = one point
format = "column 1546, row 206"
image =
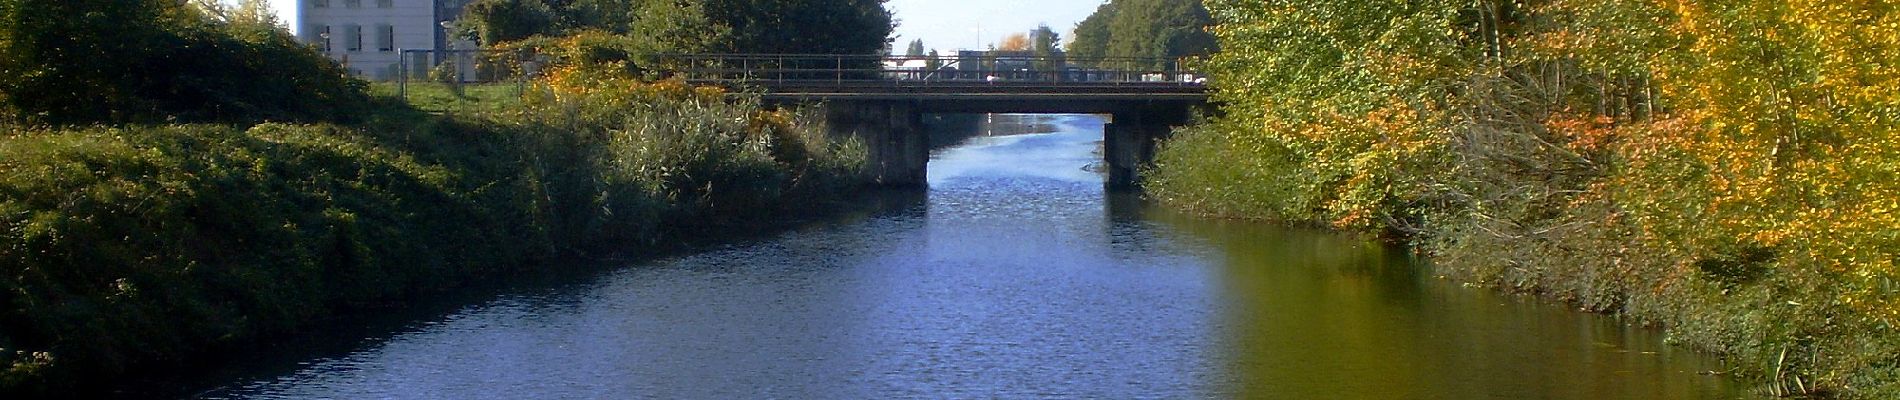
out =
column 1014, row 42
column 66, row 62
column 667, row 26
column 616, row 16
column 246, row 13
column 932, row 62
column 1159, row 30
column 916, row 48
column 497, row 21
column 1048, row 54
column 62, row 59
column 802, row 27
column 736, row 26
column 1091, row 36
column 1046, row 40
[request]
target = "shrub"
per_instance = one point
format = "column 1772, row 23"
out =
column 142, row 245
column 119, row 61
column 1722, row 168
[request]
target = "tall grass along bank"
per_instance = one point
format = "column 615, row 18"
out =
column 183, row 177
column 1723, row 169
column 135, row 246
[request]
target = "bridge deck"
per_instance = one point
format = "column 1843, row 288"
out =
column 1009, row 84
column 881, row 100
column 981, row 90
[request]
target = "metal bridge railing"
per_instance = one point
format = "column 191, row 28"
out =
column 874, row 70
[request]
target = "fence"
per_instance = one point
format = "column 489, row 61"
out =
column 443, row 79
column 434, row 76
column 910, row 70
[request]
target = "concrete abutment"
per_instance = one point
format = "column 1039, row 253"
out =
column 893, row 136
column 1129, row 141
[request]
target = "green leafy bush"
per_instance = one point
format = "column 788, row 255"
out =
column 143, row 245
column 120, row 61
column 1721, row 168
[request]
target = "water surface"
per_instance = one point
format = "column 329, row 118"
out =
column 1015, row 275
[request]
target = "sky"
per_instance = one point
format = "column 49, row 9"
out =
column 945, row 25
column 948, row 25
column 286, row 11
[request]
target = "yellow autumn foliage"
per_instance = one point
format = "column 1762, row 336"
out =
column 1727, row 168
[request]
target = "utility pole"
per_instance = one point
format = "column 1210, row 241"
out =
column 979, row 36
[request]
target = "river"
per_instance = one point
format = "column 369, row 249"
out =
column 1014, row 275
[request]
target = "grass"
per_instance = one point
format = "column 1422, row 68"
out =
column 436, row 97
column 139, row 247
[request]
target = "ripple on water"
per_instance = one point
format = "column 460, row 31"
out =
column 1018, row 276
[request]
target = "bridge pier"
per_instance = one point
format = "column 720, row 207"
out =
column 1129, row 141
column 893, row 136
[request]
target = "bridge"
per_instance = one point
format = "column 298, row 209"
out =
column 882, row 99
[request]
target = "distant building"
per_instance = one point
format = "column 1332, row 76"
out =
column 907, row 68
column 367, row 36
column 978, row 64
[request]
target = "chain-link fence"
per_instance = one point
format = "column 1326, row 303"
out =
column 458, row 78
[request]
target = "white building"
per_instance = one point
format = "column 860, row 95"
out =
column 367, row 36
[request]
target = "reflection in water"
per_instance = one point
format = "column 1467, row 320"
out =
column 1016, row 276
column 1316, row 316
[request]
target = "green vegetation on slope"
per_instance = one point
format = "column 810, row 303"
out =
column 150, row 61
column 1723, row 169
column 437, row 97
column 150, row 243
column 140, row 245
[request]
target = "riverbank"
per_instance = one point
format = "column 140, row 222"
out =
column 1626, row 157
column 1036, row 281
column 143, row 247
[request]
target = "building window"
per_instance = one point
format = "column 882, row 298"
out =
column 385, row 3
column 323, row 38
column 385, row 37
column 320, row 3
column 353, row 37
column 353, row 3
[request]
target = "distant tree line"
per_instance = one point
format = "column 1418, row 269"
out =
column 140, row 61
column 693, row 26
column 1158, row 29
column 916, row 49
column 181, row 179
